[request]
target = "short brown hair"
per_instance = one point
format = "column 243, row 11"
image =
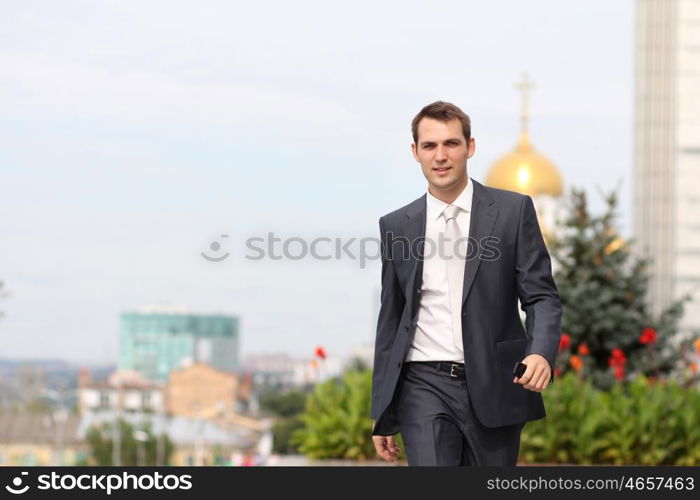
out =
column 444, row 112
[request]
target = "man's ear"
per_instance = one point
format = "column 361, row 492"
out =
column 414, row 152
column 471, row 147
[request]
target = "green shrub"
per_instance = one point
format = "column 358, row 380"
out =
column 336, row 420
column 643, row 422
column 640, row 423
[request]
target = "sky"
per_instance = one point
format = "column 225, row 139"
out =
column 134, row 134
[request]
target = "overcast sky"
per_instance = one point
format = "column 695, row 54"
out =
column 133, row 134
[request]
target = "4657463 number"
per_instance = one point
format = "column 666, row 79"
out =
column 658, row 483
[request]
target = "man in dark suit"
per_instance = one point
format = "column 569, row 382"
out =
column 455, row 262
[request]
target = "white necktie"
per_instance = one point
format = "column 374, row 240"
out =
column 456, row 260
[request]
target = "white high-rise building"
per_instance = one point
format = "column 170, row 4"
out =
column 667, row 149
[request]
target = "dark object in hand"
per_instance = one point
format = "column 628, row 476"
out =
column 519, row 369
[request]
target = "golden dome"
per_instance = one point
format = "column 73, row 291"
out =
column 526, row 171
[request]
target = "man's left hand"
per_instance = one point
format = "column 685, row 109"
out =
column 537, row 375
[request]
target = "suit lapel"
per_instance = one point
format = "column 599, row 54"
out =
column 414, row 230
column 483, row 217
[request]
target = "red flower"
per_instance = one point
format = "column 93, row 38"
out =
column 320, row 352
column 557, row 372
column 576, row 363
column 619, row 372
column 564, row 342
column 583, row 349
column 648, row 336
column 618, row 358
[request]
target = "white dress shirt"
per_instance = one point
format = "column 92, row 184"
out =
column 434, row 339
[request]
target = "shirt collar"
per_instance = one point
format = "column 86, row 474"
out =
column 435, row 207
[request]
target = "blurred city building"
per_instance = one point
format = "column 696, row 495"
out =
column 124, row 390
column 270, row 369
column 667, row 149
column 200, row 409
column 282, row 370
column 40, row 438
column 200, row 388
column 197, row 441
column 156, row 341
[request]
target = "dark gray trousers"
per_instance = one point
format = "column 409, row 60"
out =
column 439, row 427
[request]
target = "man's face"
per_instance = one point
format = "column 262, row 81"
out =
column 442, row 151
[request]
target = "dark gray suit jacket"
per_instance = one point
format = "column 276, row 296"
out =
column 512, row 263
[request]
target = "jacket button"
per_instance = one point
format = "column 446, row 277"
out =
column 398, row 365
column 418, row 291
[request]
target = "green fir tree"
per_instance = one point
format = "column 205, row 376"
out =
column 607, row 323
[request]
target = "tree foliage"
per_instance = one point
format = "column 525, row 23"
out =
column 337, row 422
column 603, row 288
column 100, row 442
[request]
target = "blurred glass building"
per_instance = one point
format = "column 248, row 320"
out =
column 157, row 342
column 667, row 149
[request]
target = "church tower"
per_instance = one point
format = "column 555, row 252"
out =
column 527, row 171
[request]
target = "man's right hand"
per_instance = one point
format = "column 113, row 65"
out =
column 386, row 447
